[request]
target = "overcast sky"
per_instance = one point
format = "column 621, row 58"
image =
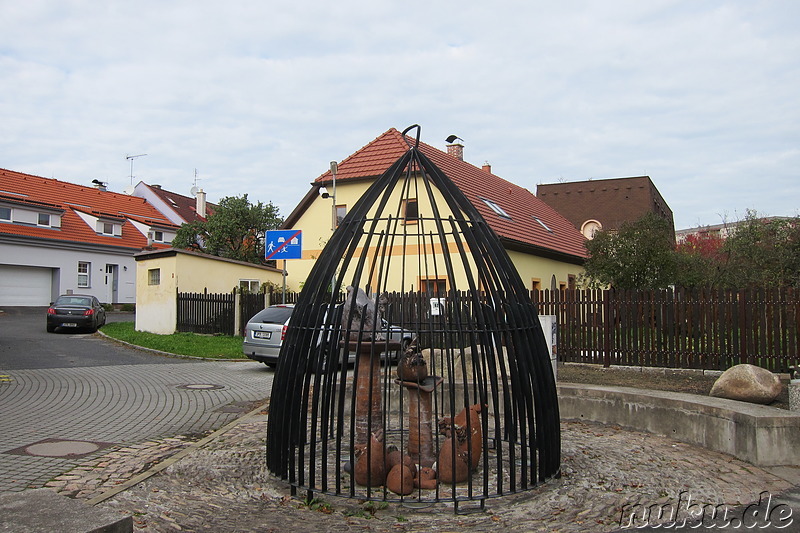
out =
column 259, row 96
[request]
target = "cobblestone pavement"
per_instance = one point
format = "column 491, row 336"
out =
column 50, row 419
column 223, row 486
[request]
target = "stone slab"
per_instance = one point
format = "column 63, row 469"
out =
column 42, row 510
column 758, row 434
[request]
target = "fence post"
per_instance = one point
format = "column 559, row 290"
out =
column 607, row 328
column 267, row 297
column 237, row 313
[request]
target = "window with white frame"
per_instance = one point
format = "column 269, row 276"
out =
column 43, row 219
column 158, row 236
column 154, row 276
column 5, row 213
column 84, row 274
column 108, row 228
column 249, row 285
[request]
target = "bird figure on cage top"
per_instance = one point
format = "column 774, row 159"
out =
column 361, row 317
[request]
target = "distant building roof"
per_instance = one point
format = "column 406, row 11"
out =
column 611, row 202
column 75, row 204
column 522, row 221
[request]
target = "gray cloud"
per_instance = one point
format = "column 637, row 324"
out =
column 260, row 97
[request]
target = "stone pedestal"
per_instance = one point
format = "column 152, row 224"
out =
column 794, row 395
column 420, row 419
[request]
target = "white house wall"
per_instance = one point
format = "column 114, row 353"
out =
column 62, row 261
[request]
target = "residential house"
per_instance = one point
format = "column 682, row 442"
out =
column 58, row 237
column 546, row 249
column 593, row 205
column 177, row 208
column 161, row 274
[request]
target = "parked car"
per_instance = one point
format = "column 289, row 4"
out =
column 264, row 334
column 75, row 311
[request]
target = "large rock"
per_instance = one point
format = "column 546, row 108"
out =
column 747, row 383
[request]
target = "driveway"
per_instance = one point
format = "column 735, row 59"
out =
column 67, row 397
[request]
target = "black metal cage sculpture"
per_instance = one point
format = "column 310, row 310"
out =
column 469, row 411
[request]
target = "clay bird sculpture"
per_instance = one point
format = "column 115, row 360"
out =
column 412, row 367
column 453, row 464
column 475, row 434
column 370, row 469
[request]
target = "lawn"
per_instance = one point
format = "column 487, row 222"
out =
column 210, row 346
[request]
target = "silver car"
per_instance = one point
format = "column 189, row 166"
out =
column 264, row 334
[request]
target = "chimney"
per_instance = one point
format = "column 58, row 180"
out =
column 487, row 167
column 456, row 150
column 200, row 206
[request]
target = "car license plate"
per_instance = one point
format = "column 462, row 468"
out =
column 262, row 334
column 69, row 325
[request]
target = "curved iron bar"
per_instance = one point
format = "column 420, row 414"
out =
column 487, row 348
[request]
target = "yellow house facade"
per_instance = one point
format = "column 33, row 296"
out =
column 547, row 251
column 161, row 274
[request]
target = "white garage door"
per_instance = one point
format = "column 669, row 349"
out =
column 24, row 286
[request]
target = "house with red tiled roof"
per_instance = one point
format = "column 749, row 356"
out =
column 58, row 237
column 546, row 248
column 179, row 209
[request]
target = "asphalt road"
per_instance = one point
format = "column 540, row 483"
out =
column 62, row 390
column 25, row 344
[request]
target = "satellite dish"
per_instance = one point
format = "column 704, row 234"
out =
column 128, row 190
column 194, row 190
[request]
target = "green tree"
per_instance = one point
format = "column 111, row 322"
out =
column 640, row 255
column 234, row 230
column 762, row 251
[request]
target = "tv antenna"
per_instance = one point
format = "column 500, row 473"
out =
column 195, row 189
column 132, row 158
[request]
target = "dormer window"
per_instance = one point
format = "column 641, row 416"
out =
column 43, row 220
column 5, row 214
column 158, row 236
column 496, row 208
column 110, row 228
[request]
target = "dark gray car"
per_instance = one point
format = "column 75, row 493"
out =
column 76, row 311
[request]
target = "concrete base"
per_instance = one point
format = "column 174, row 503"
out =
column 42, row 510
column 758, row 434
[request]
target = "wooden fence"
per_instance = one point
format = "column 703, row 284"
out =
column 704, row 329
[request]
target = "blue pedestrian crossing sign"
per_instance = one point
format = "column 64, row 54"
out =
column 284, row 244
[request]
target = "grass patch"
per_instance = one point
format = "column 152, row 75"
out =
column 211, row 346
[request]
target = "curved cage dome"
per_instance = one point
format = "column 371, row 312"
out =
column 414, row 367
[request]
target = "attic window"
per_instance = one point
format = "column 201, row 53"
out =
column 5, row 213
column 542, row 224
column 496, row 208
column 43, row 220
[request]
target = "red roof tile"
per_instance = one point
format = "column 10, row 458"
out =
column 45, row 193
column 523, row 207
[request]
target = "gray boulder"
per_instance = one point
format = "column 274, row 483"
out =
column 747, row 383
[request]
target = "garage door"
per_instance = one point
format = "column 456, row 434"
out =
column 24, row 286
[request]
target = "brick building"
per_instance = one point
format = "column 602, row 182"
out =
column 593, row 205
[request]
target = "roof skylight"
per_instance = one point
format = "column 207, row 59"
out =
column 542, row 224
column 496, row 208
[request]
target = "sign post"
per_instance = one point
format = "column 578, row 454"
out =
column 283, row 244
